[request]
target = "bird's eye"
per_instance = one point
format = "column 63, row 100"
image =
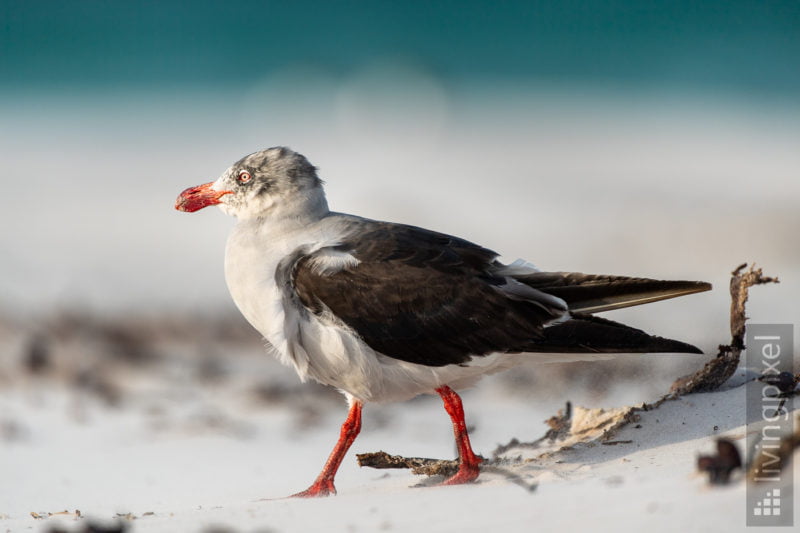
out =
column 244, row 176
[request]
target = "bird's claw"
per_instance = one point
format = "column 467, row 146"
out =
column 317, row 490
column 466, row 474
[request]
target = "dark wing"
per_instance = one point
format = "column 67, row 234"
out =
column 588, row 333
column 424, row 297
column 590, row 293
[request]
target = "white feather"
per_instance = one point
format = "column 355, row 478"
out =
column 328, row 262
column 519, row 267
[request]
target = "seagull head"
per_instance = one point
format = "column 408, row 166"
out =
column 273, row 183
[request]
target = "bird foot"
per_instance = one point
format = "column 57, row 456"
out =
column 467, row 473
column 317, row 490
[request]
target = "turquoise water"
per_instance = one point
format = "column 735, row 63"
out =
column 748, row 48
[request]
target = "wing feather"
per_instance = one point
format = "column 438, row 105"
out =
column 433, row 299
column 423, row 297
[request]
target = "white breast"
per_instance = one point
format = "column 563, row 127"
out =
column 252, row 256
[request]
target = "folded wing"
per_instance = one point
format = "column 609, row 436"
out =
column 421, row 296
column 433, row 299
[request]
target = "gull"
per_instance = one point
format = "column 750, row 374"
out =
column 385, row 312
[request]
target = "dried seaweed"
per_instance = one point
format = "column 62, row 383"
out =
column 721, row 368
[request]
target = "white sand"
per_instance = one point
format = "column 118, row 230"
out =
column 200, row 462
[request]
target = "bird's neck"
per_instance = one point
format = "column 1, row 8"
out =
column 298, row 212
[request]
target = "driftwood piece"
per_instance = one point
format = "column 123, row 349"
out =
column 721, row 368
column 439, row 467
column 418, row 465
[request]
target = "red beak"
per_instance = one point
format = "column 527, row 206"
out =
column 196, row 198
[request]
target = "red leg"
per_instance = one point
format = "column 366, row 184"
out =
column 468, row 470
column 323, row 485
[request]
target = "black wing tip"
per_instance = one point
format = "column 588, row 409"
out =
column 673, row 346
column 689, row 286
column 701, row 286
column 589, row 333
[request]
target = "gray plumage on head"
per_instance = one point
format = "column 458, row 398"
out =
column 282, row 182
column 280, row 167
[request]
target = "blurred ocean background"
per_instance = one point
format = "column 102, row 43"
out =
column 658, row 139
